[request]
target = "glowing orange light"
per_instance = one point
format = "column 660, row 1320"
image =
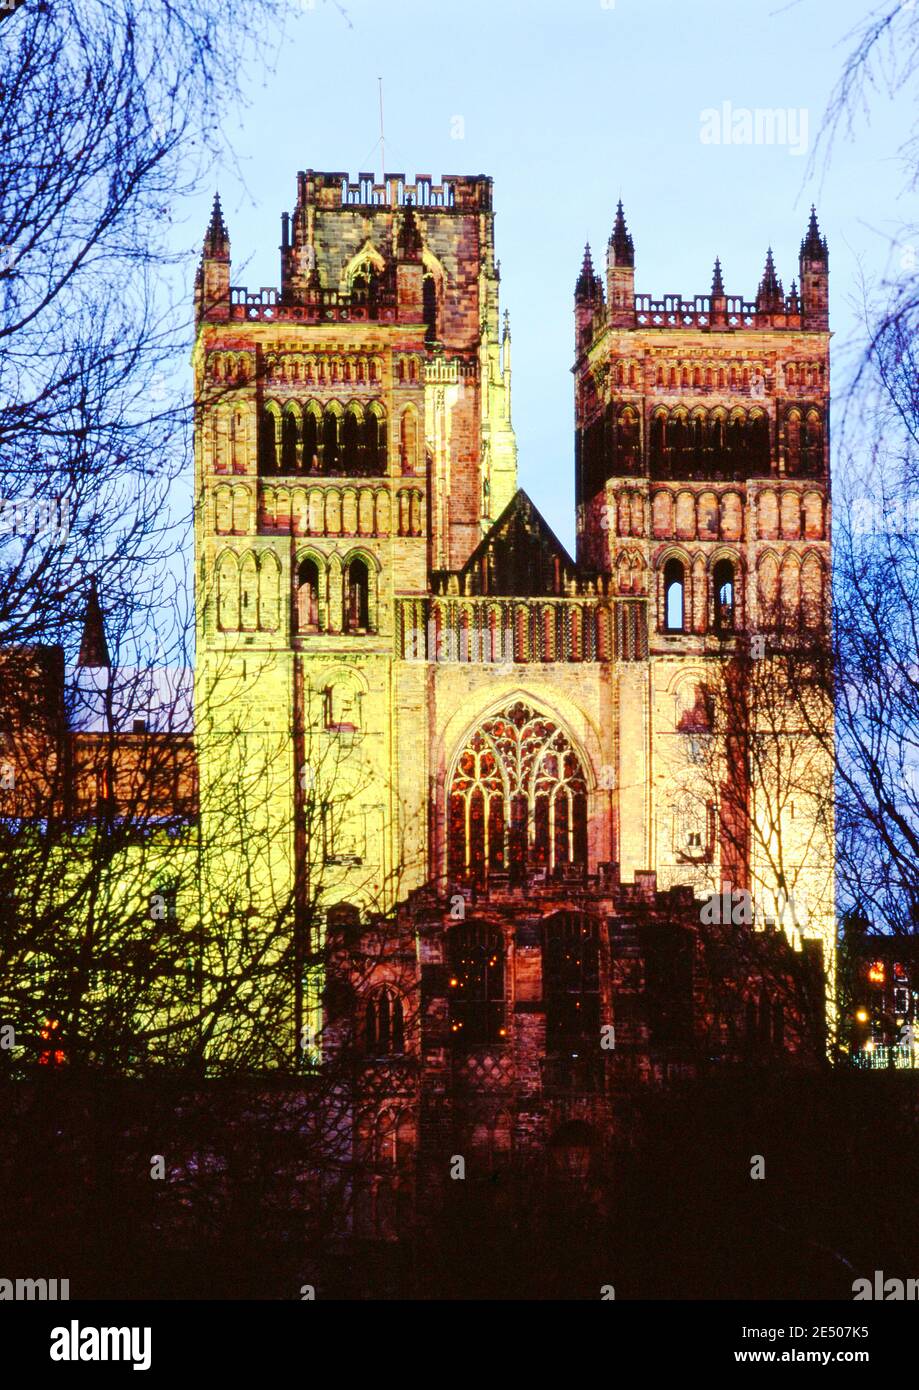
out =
column 876, row 973
column 862, row 1015
column 50, row 1057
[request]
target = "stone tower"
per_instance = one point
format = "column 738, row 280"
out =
column 702, row 486
column 353, row 434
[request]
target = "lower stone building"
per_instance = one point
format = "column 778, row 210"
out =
column 518, row 1028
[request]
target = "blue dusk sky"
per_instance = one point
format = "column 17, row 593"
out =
column 570, row 105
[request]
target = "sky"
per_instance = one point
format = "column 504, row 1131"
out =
column 570, row 105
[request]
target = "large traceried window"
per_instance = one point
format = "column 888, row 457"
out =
column 518, row 799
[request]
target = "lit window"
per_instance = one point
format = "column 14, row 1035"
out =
column 476, row 984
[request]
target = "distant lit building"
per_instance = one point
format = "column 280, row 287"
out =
column 880, row 984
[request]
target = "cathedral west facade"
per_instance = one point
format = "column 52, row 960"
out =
column 423, row 711
column 472, row 839
column 371, row 582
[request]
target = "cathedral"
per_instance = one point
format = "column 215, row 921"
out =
column 506, row 790
column 473, row 841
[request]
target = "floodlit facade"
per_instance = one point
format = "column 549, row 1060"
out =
column 403, row 678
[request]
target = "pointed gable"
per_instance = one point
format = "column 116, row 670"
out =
column 520, row 557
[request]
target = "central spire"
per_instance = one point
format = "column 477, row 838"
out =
column 771, row 295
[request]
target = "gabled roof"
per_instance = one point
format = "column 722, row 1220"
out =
column 520, row 557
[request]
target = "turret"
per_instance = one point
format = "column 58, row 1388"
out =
column 770, row 297
column 815, row 277
column 212, row 282
column 620, row 274
column 588, row 297
column 719, row 303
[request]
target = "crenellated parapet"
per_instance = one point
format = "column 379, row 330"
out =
column 599, row 309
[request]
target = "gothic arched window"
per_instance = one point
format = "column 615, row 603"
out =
column 310, row 440
column 813, row 442
column 475, row 956
column 699, row 440
column 674, row 596
column 759, row 444
column 737, row 443
column 308, row 597
column 793, row 441
column 374, row 441
column 628, row 440
column 357, row 596
column 723, row 579
column 228, row 592
column 330, row 441
column 679, row 440
column 717, row 440
column 518, row 799
column 384, row 1032
column 289, row 443
column 659, row 453
column 268, row 440
column 351, row 443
